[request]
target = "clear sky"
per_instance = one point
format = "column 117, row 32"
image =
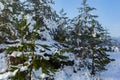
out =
column 107, row 10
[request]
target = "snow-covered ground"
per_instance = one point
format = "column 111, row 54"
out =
column 113, row 72
column 3, row 63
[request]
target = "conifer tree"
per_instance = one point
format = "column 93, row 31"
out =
column 29, row 56
column 60, row 33
column 89, row 39
column 6, row 29
column 85, row 38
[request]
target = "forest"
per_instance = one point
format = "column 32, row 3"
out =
column 37, row 43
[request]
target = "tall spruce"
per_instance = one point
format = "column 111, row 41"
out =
column 30, row 55
column 60, row 33
column 6, row 28
column 89, row 40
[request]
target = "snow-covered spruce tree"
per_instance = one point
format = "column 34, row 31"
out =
column 25, row 61
column 60, row 33
column 36, row 55
column 50, row 23
column 88, row 40
column 7, row 32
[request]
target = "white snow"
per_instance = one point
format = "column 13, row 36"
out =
column 23, row 68
column 16, row 54
column 1, row 6
column 68, row 74
column 3, row 63
column 7, row 75
column 115, row 49
column 94, row 35
column 43, row 75
column 113, row 72
column 50, row 23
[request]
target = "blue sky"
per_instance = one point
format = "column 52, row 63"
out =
column 107, row 10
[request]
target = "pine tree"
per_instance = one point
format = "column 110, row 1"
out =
column 60, row 33
column 29, row 56
column 6, row 29
column 89, row 40
column 85, row 38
